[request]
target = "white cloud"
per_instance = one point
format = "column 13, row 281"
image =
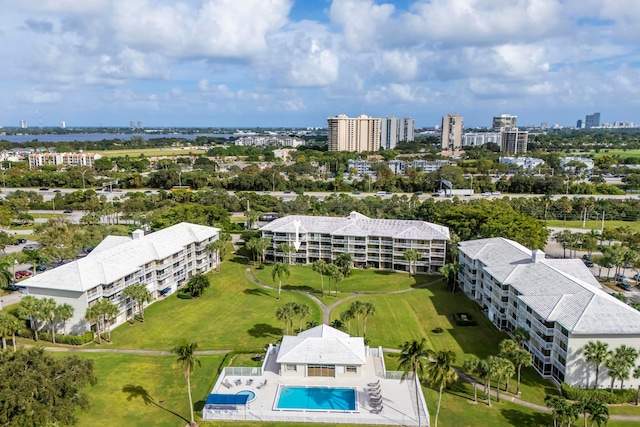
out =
column 37, row 96
column 362, row 21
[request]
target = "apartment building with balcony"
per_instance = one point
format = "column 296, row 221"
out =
column 376, row 243
column 67, row 159
column 558, row 301
column 163, row 261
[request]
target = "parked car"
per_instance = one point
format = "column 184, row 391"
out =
column 57, row 191
column 11, row 287
column 486, row 193
column 31, row 247
column 67, row 211
column 586, row 256
column 41, row 267
column 619, row 277
column 636, row 277
column 495, row 193
column 625, row 286
column 20, row 241
column 44, row 189
column 418, row 193
column 589, row 264
column 356, row 193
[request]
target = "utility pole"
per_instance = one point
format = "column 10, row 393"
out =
column 602, row 229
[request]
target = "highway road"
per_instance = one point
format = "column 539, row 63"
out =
column 291, row 195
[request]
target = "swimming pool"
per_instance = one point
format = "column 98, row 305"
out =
column 251, row 395
column 317, row 398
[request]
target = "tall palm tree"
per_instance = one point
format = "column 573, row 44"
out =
column 302, row 311
column 64, row 312
column 521, row 336
column 30, row 308
column 48, row 314
column 471, row 366
column 197, row 284
column 357, row 308
column 520, row 357
column 596, row 353
column 344, row 263
column 286, row 250
column 6, row 276
column 490, row 368
column 504, row 370
column 636, row 374
column 279, row 270
column 369, row 310
column 140, row 295
column 346, row 317
column 188, row 362
column 93, row 316
column 440, row 372
column 108, row 311
column 620, row 364
column 320, row 267
column 411, row 255
column 6, row 322
column 450, row 272
column 411, row 363
column 337, row 276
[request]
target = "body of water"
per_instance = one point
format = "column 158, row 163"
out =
column 95, row 137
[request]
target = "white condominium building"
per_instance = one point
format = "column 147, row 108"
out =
column 558, row 301
column 504, row 122
column 377, row 243
column 68, row 159
column 163, row 261
column 477, row 139
column 353, row 134
column 273, row 140
column 394, row 130
column 451, row 139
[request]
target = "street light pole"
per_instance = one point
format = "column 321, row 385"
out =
column 180, row 179
column 83, row 172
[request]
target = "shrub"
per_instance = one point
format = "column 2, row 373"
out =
column 437, row 330
column 184, row 294
column 67, row 339
column 464, row 319
column 602, row 395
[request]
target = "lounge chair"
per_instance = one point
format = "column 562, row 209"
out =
column 262, row 385
column 249, row 381
column 377, row 383
column 226, row 383
column 239, row 381
column 374, row 390
column 377, row 410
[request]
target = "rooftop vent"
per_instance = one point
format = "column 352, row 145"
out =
column 137, row 235
column 537, row 255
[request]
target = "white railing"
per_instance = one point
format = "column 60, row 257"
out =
column 391, row 418
column 242, row 371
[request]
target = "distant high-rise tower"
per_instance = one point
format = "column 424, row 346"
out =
column 592, row 120
column 579, row 124
column 514, row 141
column 23, row 124
column 139, row 124
column 504, row 122
column 63, row 124
column 389, row 133
column 406, row 129
column 451, row 139
column 353, row 134
column 132, row 124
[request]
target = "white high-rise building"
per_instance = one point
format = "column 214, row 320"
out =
column 353, row 134
column 23, row 124
column 407, row 126
column 389, row 132
column 504, row 122
column 63, row 124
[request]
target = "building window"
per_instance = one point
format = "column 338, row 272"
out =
column 351, row 369
column 291, row 368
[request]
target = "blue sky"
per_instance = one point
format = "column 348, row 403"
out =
column 241, row 63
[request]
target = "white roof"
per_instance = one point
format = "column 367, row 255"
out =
column 322, row 345
column 117, row 256
column 357, row 224
column 559, row 290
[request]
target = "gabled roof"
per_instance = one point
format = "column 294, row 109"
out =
column 116, row 257
column 559, row 290
column 357, row 224
column 322, row 345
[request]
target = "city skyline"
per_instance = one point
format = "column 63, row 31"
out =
column 241, row 63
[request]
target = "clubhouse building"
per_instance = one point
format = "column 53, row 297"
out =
column 163, row 261
column 373, row 243
column 558, row 301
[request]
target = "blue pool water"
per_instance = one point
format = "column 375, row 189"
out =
column 251, row 394
column 317, row 398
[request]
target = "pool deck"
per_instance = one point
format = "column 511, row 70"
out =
column 398, row 397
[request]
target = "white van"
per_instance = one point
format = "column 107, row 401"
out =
column 381, row 193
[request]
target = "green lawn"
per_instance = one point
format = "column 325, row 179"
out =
column 414, row 315
column 621, row 153
column 232, row 314
column 594, row 225
column 125, row 381
column 304, row 278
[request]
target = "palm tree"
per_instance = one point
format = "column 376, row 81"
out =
column 596, row 353
column 337, row 276
column 519, row 357
column 36, row 257
column 521, row 336
column 490, row 368
column 93, row 316
column 620, row 364
column 283, row 315
column 331, row 270
column 562, row 410
column 344, row 263
column 411, row 363
column 369, row 310
column 188, row 362
column 411, row 255
column 636, row 374
column 346, row 317
column 598, row 413
column 109, row 311
column 30, row 308
column 6, row 327
column 320, row 267
column 64, row 312
column 504, row 370
column 440, row 372
column 6, row 276
column 140, row 295
column 48, row 314
column 450, row 272
column 279, row 270
column 197, row 284
column 302, row 311
column 471, row 366
column 219, row 248
column 357, row 308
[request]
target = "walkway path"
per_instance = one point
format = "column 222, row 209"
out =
column 122, row 351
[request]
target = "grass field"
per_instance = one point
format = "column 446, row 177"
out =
column 136, row 390
column 594, row 225
column 150, row 152
column 304, row 278
column 232, row 314
column 621, row 153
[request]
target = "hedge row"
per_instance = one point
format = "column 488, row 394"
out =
column 184, row 294
column 60, row 339
column 605, row 396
